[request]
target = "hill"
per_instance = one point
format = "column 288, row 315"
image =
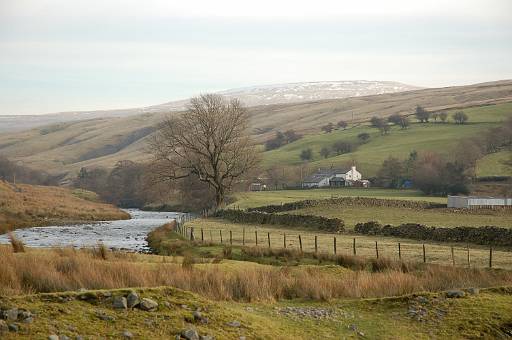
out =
column 250, row 96
column 435, row 136
column 66, row 147
column 29, row 205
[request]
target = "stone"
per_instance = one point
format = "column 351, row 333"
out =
column 127, row 334
column 455, row 294
column 120, row 302
column 87, row 296
column 422, row 299
column 474, row 291
column 132, row 299
column 53, row 337
column 190, row 334
column 234, row 324
column 197, row 315
column 64, row 337
column 11, row 314
column 148, row 304
column 79, row 337
column 13, row 327
column 28, row 320
column 206, row 337
column 167, row 304
column 24, row 314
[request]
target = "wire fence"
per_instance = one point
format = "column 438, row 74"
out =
column 309, row 242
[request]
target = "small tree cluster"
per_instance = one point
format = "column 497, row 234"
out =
column 380, row 124
column 399, row 120
column 282, row 138
column 460, row 117
column 421, row 114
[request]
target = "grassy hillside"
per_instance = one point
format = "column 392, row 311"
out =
column 399, row 143
column 28, row 205
column 67, row 147
column 248, row 299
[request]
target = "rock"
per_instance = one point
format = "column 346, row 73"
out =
column 11, row 314
column 148, row 304
column 120, row 302
column 167, row 304
column 422, row 299
column 64, row 337
column 53, row 337
column 24, row 314
column 132, row 299
column 361, row 334
column 13, row 327
column 190, row 334
column 455, row 294
column 474, row 291
column 234, row 324
column 79, row 337
column 127, row 334
column 105, row 317
column 197, row 315
column 206, row 337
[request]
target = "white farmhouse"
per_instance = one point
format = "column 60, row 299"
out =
column 332, row 178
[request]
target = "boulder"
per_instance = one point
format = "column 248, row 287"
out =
column 13, row 327
column 53, row 337
column 127, row 334
column 132, row 299
column 455, row 294
column 474, row 291
column 11, row 314
column 120, row 302
column 190, row 334
column 148, row 304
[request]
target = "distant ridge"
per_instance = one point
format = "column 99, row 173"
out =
column 250, row 96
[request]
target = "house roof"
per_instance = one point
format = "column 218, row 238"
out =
column 322, row 174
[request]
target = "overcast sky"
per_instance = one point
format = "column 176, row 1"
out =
column 62, row 55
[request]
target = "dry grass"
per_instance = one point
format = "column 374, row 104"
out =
column 31, row 205
column 68, row 269
column 17, row 244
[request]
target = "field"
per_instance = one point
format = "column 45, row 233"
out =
column 399, row 143
column 253, row 199
column 411, row 250
column 351, row 215
column 27, row 206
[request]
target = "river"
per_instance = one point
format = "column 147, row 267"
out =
column 123, row 234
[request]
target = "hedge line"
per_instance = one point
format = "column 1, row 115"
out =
column 348, row 201
column 301, row 221
column 489, row 235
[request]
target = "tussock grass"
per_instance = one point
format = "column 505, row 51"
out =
column 17, row 244
column 68, row 269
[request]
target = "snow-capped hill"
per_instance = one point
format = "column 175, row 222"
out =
column 311, row 91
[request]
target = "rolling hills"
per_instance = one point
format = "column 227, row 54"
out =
column 250, row 96
column 66, row 147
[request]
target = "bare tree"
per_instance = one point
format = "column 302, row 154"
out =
column 209, row 141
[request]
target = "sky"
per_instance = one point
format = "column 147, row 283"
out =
column 62, row 55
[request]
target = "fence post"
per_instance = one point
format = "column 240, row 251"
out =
column 220, row 233
column 316, row 244
column 256, row 235
column 453, row 256
column 268, row 236
column 376, row 249
column 354, row 247
column 424, row 254
column 230, row 237
column 300, row 243
column 284, row 240
column 202, row 235
column 490, row 257
column 334, row 245
column 191, row 233
column 469, row 257
column 399, row 252
column 243, row 236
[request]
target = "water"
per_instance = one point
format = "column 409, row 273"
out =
column 125, row 234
